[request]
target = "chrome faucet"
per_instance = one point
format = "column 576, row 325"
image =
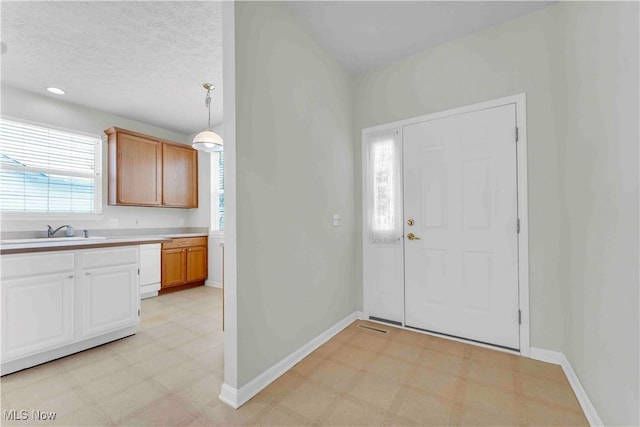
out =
column 51, row 232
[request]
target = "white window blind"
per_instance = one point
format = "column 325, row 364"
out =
column 48, row 170
column 217, row 191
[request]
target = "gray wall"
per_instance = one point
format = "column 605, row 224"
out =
column 578, row 64
column 503, row 60
column 19, row 104
column 599, row 193
column 295, row 157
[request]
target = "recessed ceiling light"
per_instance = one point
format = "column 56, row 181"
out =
column 56, row 90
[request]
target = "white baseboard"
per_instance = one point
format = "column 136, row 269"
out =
column 548, row 356
column 237, row 397
column 558, row 358
column 56, row 353
column 213, row 284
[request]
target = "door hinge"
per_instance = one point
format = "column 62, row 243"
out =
column 138, row 312
column 518, row 226
column 519, row 317
column 138, row 272
column 517, row 134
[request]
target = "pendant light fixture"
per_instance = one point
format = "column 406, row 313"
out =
column 208, row 140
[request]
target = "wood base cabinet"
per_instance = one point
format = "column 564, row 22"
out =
column 184, row 261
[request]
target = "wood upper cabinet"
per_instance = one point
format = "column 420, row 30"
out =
column 184, row 260
column 148, row 171
column 180, row 176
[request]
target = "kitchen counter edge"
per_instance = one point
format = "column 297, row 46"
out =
column 19, row 248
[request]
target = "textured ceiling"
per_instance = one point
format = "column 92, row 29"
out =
column 366, row 34
column 143, row 60
column 147, row 60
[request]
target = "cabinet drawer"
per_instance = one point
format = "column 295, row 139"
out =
column 185, row 242
column 109, row 257
column 33, row 264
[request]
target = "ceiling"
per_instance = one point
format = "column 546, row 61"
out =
column 147, row 60
column 143, row 60
column 366, row 34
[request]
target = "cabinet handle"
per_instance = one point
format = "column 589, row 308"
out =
column 87, row 274
column 71, row 276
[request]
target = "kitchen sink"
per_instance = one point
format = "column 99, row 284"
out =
column 50, row 239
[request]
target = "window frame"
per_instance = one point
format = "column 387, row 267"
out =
column 97, row 179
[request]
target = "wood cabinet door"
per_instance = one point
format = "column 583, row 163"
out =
column 174, row 267
column 138, row 171
column 179, row 176
column 197, row 264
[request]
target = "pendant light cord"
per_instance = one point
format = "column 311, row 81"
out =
column 207, row 102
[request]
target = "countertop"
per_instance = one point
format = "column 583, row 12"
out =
column 44, row 246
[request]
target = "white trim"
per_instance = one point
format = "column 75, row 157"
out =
column 548, row 356
column 523, row 215
column 586, row 404
column 36, row 359
column 558, row 358
column 213, row 284
column 523, row 238
column 230, row 258
column 237, row 397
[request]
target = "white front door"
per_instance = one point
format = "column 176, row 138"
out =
column 460, row 194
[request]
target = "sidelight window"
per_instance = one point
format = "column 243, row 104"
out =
column 217, row 191
column 384, row 186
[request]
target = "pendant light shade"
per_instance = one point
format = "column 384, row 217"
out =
column 208, row 140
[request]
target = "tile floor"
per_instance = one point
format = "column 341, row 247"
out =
column 170, row 374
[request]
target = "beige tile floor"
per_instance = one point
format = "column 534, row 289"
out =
column 170, row 374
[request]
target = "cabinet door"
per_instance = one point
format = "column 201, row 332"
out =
column 138, row 171
column 37, row 314
column 196, row 264
column 179, row 176
column 174, row 267
column 110, row 298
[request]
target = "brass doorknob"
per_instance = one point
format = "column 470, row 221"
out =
column 412, row 236
column 410, row 222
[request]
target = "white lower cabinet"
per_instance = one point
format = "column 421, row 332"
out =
column 58, row 303
column 110, row 299
column 37, row 314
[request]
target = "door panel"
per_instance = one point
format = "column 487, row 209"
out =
column 460, row 187
column 174, row 267
column 37, row 314
column 110, row 298
column 197, row 264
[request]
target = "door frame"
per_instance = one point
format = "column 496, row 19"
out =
column 520, row 101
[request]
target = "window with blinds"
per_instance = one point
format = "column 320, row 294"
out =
column 47, row 170
column 217, row 191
